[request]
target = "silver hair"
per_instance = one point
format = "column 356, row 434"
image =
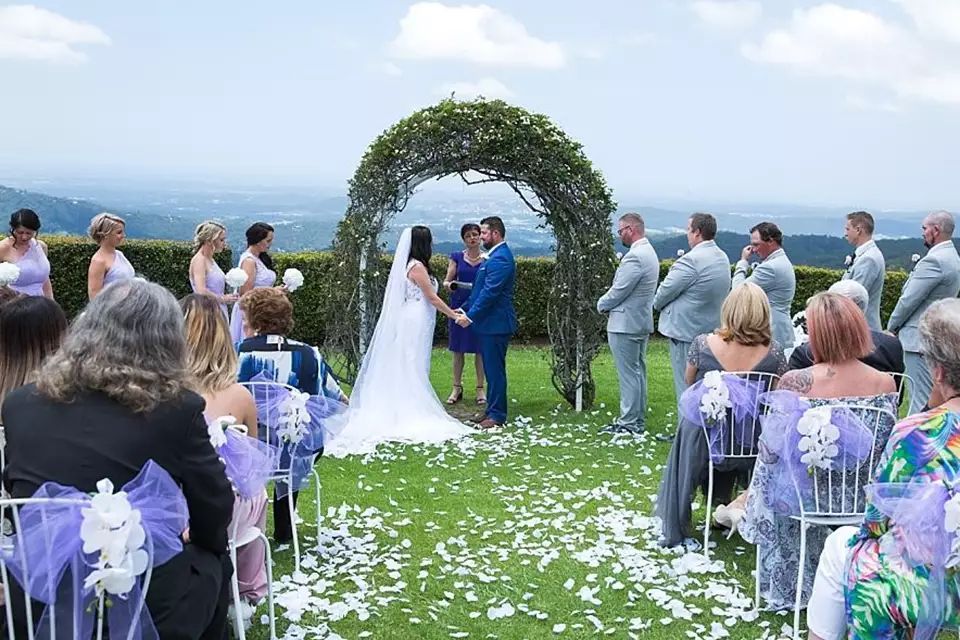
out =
column 128, row 344
column 944, row 220
column 940, row 338
column 853, row 290
column 635, row 219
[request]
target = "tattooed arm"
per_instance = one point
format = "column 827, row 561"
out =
column 798, row 380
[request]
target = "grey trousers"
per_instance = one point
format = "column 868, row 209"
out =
column 918, row 370
column 630, row 355
column 678, row 362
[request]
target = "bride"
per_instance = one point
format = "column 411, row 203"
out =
column 393, row 400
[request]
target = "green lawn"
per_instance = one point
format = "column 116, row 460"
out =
column 541, row 530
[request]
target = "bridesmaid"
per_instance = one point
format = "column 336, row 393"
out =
column 27, row 252
column 259, row 268
column 206, row 276
column 462, row 267
column 108, row 264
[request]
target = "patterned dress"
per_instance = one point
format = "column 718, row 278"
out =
column 881, row 591
column 776, row 536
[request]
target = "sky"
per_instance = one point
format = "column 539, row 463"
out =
column 849, row 102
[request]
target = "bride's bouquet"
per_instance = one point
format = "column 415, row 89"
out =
column 9, row 273
column 293, row 279
column 235, row 278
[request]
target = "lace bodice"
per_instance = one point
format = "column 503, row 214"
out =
column 412, row 290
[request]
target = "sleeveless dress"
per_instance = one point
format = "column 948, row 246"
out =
column 34, row 271
column 121, row 269
column 262, row 277
column 394, row 401
column 687, row 465
column 215, row 281
column 462, row 340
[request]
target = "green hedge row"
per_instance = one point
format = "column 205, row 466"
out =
column 168, row 264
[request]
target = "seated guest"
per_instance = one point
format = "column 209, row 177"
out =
column 269, row 353
column 839, row 337
column 887, row 354
column 31, row 328
column 114, row 397
column 212, row 365
column 742, row 343
column 862, row 588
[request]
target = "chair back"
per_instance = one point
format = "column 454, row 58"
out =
column 60, row 619
column 905, row 387
column 740, row 440
column 838, row 492
column 269, row 397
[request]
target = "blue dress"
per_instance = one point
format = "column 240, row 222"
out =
column 462, row 340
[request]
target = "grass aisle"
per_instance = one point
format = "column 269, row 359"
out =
column 542, row 530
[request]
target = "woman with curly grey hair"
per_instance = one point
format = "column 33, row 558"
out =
column 114, row 397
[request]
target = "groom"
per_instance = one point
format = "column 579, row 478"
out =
column 489, row 312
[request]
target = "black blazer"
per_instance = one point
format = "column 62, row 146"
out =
column 93, row 437
column 887, row 355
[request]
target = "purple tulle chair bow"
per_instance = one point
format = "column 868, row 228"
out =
column 781, row 447
column 918, row 536
column 298, row 424
column 249, row 462
column 736, row 409
column 49, row 542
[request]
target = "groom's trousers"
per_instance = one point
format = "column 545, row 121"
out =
column 493, row 348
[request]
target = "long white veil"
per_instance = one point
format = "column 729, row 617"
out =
column 393, row 399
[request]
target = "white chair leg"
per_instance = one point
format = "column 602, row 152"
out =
column 293, row 527
column 706, row 524
column 271, row 610
column 316, row 479
column 235, row 587
column 756, row 581
column 796, row 603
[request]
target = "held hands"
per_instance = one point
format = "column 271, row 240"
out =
column 229, row 298
column 461, row 318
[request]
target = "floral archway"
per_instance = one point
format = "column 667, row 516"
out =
column 500, row 143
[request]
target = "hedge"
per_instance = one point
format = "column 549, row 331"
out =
column 167, row 263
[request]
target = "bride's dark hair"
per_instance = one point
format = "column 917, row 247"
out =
column 421, row 245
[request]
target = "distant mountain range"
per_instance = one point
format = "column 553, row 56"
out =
column 308, row 220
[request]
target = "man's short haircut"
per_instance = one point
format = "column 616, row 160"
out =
column 705, row 223
column 495, row 224
column 635, row 219
column 861, row 219
column 768, row 231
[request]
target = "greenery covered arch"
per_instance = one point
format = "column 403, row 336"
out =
column 500, row 143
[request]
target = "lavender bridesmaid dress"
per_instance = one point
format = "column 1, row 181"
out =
column 262, row 277
column 216, row 284
column 34, row 271
column 121, row 269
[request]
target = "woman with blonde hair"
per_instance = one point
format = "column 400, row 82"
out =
column 108, row 264
column 206, row 276
column 212, row 371
column 743, row 342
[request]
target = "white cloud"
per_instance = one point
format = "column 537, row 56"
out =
column 389, row 68
column 857, row 102
column 728, row 15
column 834, row 41
column 486, row 87
column 938, row 19
column 30, row 33
column 472, row 33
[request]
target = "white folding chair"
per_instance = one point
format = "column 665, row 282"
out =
column 737, row 449
column 267, row 394
column 825, row 505
column 904, row 383
column 10, row 507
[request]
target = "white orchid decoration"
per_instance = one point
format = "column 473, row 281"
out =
column 217, row 428
column 293, row 279
column 848, row 260
column 799, row 333
column 9, row 273
column 819, row 439
column 715, row 402
column 236, row 278
column 680, row 253
column 951, row 524
column 111, row 529
column 294, row 417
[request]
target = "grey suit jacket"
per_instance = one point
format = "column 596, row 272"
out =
column 869, row 268
column 690, row 296
column 935, row 276
column 629, row 300
column 776, row 277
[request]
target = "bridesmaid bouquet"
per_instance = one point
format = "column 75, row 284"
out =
column 236, row 278
column 293, row 279
column 9, row 273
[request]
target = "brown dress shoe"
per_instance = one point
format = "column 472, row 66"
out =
column 489, row 423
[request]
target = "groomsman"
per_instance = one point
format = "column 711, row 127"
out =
column 774, row 274
column 866, row 265
column 628, row 304
column 935, row 276
column 690, row 296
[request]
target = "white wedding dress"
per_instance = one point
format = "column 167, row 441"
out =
column 393, row 400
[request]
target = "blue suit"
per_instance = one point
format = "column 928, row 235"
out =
column 490, row 309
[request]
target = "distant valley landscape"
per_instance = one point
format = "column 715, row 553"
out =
column 307, row 218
